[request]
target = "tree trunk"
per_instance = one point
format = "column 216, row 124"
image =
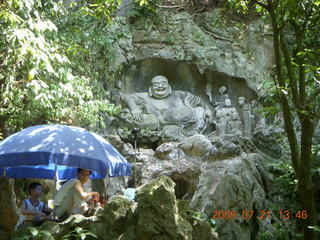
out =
column 305, row 186
column 8, row 213
column 307, row 200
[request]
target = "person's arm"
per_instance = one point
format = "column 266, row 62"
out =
column 82, row 194
column 24, row 211
column 47, row 209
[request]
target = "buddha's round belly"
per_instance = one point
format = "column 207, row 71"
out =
column 178, row 114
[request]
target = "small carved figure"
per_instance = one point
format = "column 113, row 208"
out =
column 223, row 95
column 223, row 115
column 247, row 116
column 220, row 123
column 235, row 125
column 115, row 94
column 209, row 93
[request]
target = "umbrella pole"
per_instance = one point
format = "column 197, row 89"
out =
column 135, row 163
column 55, row 179
column 135, row 132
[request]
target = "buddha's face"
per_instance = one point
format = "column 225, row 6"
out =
column 160, row 87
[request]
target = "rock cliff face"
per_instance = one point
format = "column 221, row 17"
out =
column 8, row 213
column 155, row 214
column 214, row 173
column 217, row 176
column 199, row 53
column 193, row 51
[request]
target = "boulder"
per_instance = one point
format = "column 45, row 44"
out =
column 235, row 184
column 8, row 213
column 158, row 214
column 166, row 151
column 155, row 214
column 181, row 168
column 222, row 149
column 196, row 146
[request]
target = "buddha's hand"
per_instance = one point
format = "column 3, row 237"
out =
column 137, row 115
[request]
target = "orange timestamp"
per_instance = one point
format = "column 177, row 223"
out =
column 286, row 214
column 245, row 214
column 263, row 214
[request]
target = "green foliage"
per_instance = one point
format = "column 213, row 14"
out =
column 315, row 228
column 298, row 22
column 196, row 217
column 143, row 9
column 34, row 234
column 51, row 75
column 85, row 40
column 266, row 236
column 101, row 9
column 281, row 232
column 78, row 234
column 199, row 37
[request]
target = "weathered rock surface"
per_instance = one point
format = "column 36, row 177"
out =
column 158, row 215
column 264, row 139
column 216, row 173
column 183, row 170
column 227, row 175
column 223, row 177
column 155, row 214
column 8, row 207
column 234, row 184
column 196, row 146
column 208, row 41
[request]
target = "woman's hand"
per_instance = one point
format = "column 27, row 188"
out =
column 95, row 196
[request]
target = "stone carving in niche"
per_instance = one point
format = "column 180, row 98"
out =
column 248, row 117
column 234, row 125
column 115, row 93
column 227, row 121
column 163, row 114
column 223, row 95
column 176, row 114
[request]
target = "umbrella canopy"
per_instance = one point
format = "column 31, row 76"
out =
column 44, row 150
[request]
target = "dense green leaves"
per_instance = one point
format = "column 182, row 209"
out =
column 53, row 61
column 295, row 26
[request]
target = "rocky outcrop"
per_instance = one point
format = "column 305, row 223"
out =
column 238, row 185
column 196, row 146
column 211, row 42
column 182, row 184
column 216, row 174
column 155, row 214
column 8, row 213
column 227, row 175
column 198, row 53
column 193, row 50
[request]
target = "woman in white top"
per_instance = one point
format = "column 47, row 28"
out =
column 71, row 198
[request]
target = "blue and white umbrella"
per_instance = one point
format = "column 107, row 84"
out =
column 46, row 150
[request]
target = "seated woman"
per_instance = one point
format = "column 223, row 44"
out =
column 32, row 209
column 71, row 198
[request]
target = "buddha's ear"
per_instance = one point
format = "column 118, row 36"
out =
column 150, row 92
column 170, row 89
